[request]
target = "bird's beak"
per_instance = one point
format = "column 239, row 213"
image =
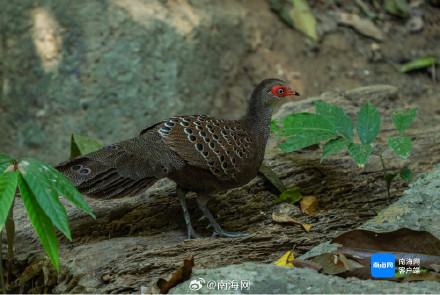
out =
column 292, row 92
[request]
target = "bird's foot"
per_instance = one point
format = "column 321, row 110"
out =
column 222, row 233
column 193, row 235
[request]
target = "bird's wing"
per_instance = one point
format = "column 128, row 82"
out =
column 124, row 168
column 209, row 143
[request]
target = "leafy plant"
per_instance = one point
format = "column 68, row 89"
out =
column 39, row 186
column 332, row 123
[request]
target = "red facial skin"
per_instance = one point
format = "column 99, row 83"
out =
column 282, row 91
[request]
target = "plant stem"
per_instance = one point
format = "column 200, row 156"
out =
column 1, row 263
column 384, row 169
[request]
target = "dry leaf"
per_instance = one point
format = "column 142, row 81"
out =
column 180, row 275
column 283, row 218
column 31, row 271
column 285, row 260
column 308, row 204
column 362, row 25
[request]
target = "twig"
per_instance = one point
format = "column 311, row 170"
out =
column 1, row 263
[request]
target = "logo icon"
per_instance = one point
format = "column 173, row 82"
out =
column 383, row 265
column 195, row 285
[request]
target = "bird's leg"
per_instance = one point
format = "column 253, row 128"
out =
column 201, row 201
column 181, row 193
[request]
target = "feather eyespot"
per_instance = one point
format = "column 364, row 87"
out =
column 184, row 123
column 197, row 123
column 85, row 171
column 169, row 124
column 109, row 147
column 199, row 127
column 224, row 165
column 188, row 131
column 199, row 146
column 186, row 119
column 202, row 133
column 192, row 138
column 76, row 167
column 121, row 152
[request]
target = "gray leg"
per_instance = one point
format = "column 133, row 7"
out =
column 181, row 193
column 201, row 201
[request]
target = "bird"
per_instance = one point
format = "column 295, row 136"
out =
column 199, row 153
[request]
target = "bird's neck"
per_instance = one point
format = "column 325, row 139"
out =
column 257, row 119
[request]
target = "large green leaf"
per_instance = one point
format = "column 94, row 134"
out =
column 295, row 123
column 8, row 185
column 5, row 161
column 60, row 184
column 400, row 145
column 305, row 138
column 41, row 222
column 360, row 153
column 41, row 184
column 417, row 64
column 334, row 146
column 337, row 115
column 403, row 119
column 82, row 145
column 368, row 123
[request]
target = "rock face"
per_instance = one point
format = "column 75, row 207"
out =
column 136, row 240
column 107, row 69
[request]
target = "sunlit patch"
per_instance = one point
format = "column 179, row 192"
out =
column 47, row 39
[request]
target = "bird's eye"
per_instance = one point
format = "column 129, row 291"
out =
column 280, row 91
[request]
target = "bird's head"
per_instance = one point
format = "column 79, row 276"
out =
column 270, row 91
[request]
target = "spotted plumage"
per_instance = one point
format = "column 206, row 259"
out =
column 198, row 152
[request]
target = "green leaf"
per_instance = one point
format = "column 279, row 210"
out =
column 337, row 115
column 360, row 153
column 5, row 161
column 8, row 185
column 274, row 127
column 303, row 19
column 417, row 64
column 82, row 145
column 41, row 184
column 368, row 123
column 400, row 145
column 61, row 184
column 403, row 119
column 272, row 177
column 295, row 123
column 304, row 139
column 41, row 222
column 389, row 177
column 397, row 7
column 334, row 146
column 290, row 196
column 406, row 174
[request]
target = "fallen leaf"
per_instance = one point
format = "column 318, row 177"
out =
column 180, row 275
column 283, row 218
column 303, row 19
column 330, row 263
column 397, row 7
column 285, row 260
column 426, row 276
column 308, row 204
column 363, row 26
column 272, row 177
column 31, row 271
column 403, row 244
column 307, row 264
column 291, row 196
column 417, row 64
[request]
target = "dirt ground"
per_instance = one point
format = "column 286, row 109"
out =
column 344, row 59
